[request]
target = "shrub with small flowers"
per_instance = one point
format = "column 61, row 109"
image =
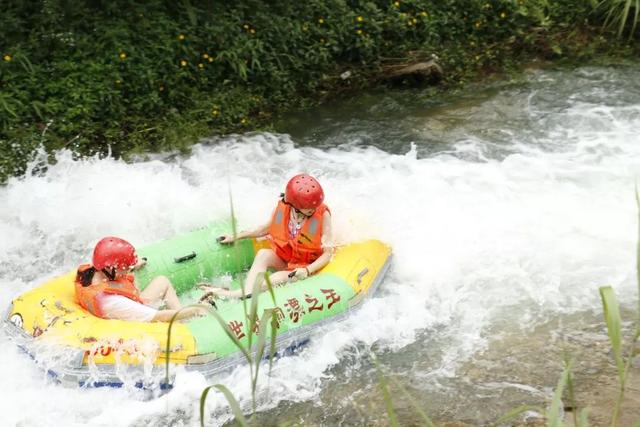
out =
column 120, row 77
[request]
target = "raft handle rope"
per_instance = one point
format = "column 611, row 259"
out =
column 184, row 258
column 362, row 274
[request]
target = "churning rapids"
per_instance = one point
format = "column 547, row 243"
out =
column 506, row 206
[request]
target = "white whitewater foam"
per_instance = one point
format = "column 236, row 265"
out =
column 536, row 231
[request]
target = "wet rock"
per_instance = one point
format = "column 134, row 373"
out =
column 417, row 73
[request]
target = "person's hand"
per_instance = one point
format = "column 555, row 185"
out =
column 203, row 286
column 141, row 263
column 299, row 274
column 225, row 240
column 206, row 296
column 196, row 311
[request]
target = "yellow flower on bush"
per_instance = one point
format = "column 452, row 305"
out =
column 201, row 66
column 118, row 81
column 396, row 4
column 7, row 58
column 425, row 14
column 252, row 31
column 243, row 121
column 409, row 23
column 123, row 56
column 161, row 88
column 183, row 62
column 359, row 19
column 503, row 15
column 215, row 112
column 181, row 37
column 478, row 24
column 246, row 26
column 205, row 55
column 320, row 21
column 210, row 59
column 359, row 32
column 414, row 20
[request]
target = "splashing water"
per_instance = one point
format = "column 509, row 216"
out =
column 510, row 204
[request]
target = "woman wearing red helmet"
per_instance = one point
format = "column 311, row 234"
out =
column 107, row 290
column 299, row 234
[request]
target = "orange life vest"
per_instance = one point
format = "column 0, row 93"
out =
column 306, row 246
column 87, row 296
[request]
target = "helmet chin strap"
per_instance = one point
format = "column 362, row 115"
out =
column 111, row 274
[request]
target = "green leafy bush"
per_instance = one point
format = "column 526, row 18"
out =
column 125, row 77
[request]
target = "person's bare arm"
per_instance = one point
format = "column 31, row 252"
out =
column 258, row 232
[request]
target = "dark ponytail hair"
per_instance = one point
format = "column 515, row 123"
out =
column 85, row 276
column 110, row 273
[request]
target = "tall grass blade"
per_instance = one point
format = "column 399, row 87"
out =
column 393, row 421
column 553, row 417
column 233, row 403
column 583, row 421
column 635, row 19
column 260, row 345
column 425, row 418
column 638, row 250
column 571, row 393
column 612, row 317
column 623, row 17
column 274, row 323
column 516, row 412
column 253, row 310
column 232, row 336
column 168, row 346
column 234, row 231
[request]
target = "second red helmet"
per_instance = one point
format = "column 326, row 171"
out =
column 114, row 252
column 304, row 192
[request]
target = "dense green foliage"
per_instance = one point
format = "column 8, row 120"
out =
column 126, row 77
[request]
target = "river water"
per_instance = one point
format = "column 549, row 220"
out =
column 507, row 205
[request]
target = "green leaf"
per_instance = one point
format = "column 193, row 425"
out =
column 167, row 351
column 233, row 403
column 553, row 417
column 612, row 318
column 260, row 345
column 393, row 421
column 638, row 250
column 425, row 418
column 232, row 336
column 516, row 412
column 583, row 421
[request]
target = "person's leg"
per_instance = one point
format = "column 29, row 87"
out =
column 280, row 277
column 161, row 289
column 264, row 259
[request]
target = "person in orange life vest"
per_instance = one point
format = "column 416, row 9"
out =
column 107, row 290
column 299, row 234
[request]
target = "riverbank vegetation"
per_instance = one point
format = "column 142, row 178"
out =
column 122, row 78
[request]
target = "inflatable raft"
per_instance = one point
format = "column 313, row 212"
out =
column 76, row 347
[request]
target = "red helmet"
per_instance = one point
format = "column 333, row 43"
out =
column 114, row 252
column 304, row 192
